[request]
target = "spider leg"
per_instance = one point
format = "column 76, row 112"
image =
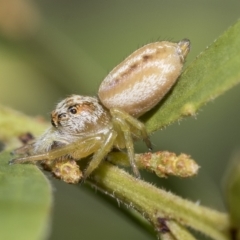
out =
column 128, row 143
column 134, row 123
column 104, row 149
column 79, row 149
column 25, row 149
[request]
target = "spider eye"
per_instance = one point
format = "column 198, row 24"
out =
column 61, row 115
column 73, row 110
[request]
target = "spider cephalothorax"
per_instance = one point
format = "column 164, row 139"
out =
column 79, row 115
column 83, row 125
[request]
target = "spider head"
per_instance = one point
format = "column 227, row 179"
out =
column 78, row 114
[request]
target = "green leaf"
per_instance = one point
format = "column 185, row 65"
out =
column 25, row 201
column 213, row 72
column 232, row 191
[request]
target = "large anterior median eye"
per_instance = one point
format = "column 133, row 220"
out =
column 73, row 110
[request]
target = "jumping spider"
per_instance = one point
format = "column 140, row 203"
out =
column 83, row 125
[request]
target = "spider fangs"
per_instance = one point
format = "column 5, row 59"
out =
column 83, row 125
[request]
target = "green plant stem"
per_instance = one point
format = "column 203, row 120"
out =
column 166, row 236
column 179, row 232
column 152, row 202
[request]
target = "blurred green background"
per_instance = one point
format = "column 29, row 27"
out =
column 50, row 49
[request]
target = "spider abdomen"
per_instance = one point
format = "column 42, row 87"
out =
column 138, row 83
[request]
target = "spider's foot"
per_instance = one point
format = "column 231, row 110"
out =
column 84, row 178
column 82, row 181
column 136, row 173
column 148, row 144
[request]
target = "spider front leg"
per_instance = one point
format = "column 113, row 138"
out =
column 100, row 144
column 77, row 150
column 100, row 154
column 126, row 122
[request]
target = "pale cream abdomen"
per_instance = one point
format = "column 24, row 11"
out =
column 138, row 83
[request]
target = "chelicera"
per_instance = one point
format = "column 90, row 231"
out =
column 84, row 125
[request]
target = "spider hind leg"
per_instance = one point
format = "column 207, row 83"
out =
column 129, row 126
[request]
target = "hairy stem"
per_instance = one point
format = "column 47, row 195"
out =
column 154, row 203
